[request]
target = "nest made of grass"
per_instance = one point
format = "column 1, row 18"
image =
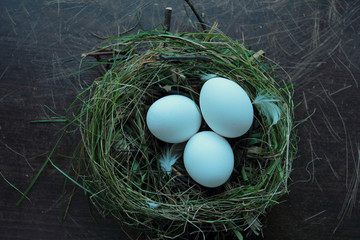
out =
column 123, row 172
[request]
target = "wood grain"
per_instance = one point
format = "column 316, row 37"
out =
column 317, row 42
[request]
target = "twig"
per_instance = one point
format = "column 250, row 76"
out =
column 93, row 54
column 167, row 21
column 201, row 21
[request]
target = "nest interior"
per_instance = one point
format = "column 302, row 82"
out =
column 121, row 157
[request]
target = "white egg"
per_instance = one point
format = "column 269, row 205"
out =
column 174, row 118
column 208, row 159
column 226, row 107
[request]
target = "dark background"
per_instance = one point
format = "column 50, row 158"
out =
column 316, row 42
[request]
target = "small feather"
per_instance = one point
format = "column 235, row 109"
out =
column 205, row 77
column 268, row 107
column 153, row 205
column 168, row 159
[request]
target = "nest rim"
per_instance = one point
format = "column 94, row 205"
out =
column 134, row 192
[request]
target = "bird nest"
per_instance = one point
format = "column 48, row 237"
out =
column 123, row 173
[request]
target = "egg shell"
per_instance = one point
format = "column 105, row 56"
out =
column 209, row 159
column 173, row 118
column 226, row 107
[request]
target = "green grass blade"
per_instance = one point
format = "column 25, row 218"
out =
column 13, row 186
column 40, row 170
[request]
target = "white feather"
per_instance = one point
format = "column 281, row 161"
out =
column 153, row 205
column 168, row 159
column 268, row 107
column 205, row 77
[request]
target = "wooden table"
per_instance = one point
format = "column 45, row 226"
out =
column 316, row 42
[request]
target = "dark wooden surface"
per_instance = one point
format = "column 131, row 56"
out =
column 317, row 42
